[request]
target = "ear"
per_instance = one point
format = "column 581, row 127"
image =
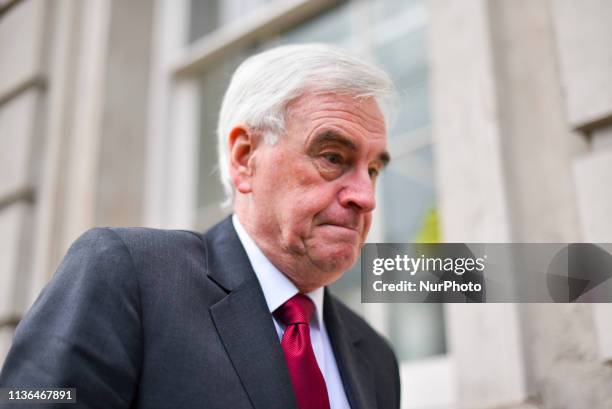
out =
column 242, row 144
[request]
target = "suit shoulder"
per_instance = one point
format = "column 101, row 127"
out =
column 146, row 235
column 130, row 236
column 141, row 246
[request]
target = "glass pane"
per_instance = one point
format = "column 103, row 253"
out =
column 405, row 59
column 417, row 330
column 409, row 196
column 214, row 81
column 333, row 26
column 208, row 15
column 384, row 9
column 204, row 18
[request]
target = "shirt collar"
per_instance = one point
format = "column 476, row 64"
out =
column 277, row 288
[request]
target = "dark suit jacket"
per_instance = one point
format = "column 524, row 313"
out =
column 144, row 318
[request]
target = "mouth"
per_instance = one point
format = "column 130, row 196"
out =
column 342, row 226
column 340, row 229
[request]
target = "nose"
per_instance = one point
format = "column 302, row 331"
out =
column 358, row 193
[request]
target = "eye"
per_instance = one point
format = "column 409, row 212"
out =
column 333, row 158
column 373, row 172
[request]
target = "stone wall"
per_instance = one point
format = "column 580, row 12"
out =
column 522, row 109
column 74, row 82
column 22, row 99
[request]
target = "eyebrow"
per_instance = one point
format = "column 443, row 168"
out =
column 334, row 137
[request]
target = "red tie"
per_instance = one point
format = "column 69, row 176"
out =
column 306, row 378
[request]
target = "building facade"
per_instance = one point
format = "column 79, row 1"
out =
column 503, row 133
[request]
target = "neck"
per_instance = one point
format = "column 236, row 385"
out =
column 296, row 266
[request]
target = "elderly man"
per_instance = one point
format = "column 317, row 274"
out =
column 237, row 317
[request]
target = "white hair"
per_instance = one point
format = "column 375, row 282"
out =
column 264, row 84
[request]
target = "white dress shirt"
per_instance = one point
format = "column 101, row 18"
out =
column 277, row 289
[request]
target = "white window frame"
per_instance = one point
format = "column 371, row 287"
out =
column 173, row 154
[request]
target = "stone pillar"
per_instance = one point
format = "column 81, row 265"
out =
column 467, row 136
column 584, row 42
column 505, row 154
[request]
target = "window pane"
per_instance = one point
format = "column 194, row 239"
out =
column 387, row 9
column 333, row 26
column 417, row 330
column 214, row 81
column 208, row 15
column 203, row 18
column 408, row 186
column 405, row 59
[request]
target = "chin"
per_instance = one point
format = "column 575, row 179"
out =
column 338, row 258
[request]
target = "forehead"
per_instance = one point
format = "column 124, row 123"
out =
column 359, row 118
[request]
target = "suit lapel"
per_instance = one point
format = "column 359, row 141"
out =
column 247, row 331
column 354, row 369
column 244, row 323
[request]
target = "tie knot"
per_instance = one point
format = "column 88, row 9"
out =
column 296, row 310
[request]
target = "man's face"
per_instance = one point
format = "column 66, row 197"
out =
column 313, row 191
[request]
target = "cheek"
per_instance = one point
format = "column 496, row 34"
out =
column 307, row 193
column 303, row 211
column 307, row 204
